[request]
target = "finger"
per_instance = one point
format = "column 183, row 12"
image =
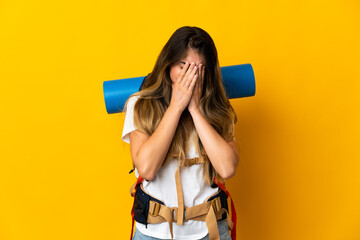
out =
column 198, row 82
column 193, row 82
column 191, row 69
column 189, row 74
column 202, row 80
column 183, row 71
column 191, row 78
column 203, row 74
column 194, row 71
column 200, row 71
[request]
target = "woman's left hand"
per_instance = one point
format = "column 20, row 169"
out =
column 195, row 99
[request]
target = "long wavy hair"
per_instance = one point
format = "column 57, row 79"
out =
column 155, row 95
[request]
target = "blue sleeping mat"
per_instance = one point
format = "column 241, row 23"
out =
column 238, row 80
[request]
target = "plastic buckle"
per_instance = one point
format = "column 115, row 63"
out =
column 216, row 204
column 174, row 213
column 154, row 208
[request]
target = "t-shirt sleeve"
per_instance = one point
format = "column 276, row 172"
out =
column 129, row 119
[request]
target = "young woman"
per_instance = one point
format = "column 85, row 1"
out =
column 180, row 127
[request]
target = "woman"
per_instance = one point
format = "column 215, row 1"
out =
column 182, row 113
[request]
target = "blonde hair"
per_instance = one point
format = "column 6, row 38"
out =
column 154, row 97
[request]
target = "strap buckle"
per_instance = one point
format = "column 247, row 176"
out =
column 216, row 204
column 154, row 208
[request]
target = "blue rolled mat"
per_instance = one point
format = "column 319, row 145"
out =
column 238, row 80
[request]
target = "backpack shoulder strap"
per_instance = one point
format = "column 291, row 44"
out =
column 221, row 184
column 132, row 193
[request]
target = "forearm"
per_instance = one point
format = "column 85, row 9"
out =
column 223, row 156
column 153, row 151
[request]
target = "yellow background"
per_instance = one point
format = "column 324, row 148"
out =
column 64, row 168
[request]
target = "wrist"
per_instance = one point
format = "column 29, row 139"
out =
column 175, row 109
column 194, row 111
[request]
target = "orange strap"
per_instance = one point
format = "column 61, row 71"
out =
column 139, row 180
column 233, row 211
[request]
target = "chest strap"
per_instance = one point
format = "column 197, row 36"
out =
column 209, row 211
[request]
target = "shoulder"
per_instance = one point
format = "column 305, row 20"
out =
column 130, row 102
column 133, row 98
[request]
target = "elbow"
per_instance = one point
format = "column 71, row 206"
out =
column 226, row 174
column 144, row 168
column 147, row 175
column 145, row 171
column 229, row 169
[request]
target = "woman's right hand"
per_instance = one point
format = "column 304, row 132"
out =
column 182, row 87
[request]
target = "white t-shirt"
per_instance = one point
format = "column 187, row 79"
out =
column 163, row 187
